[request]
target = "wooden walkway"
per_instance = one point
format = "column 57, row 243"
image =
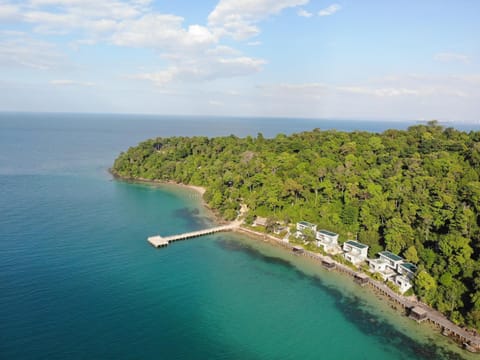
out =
column 159, row 241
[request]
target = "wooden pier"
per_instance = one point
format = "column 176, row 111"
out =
column 159, row 241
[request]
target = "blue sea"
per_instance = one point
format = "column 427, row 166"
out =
column 78, row 279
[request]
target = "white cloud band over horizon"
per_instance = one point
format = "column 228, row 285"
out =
column 274, row 55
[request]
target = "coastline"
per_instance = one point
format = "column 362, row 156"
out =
column 400, row 303
column 199, row 190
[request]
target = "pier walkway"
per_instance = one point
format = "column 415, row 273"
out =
column 159, row 241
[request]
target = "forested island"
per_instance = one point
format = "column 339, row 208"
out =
column 414, row 192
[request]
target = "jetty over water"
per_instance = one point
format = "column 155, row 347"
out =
column 159, row 241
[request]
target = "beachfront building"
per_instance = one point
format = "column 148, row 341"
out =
column 328, row 240
column 302, row 227
column 260, row 221
column 355, row 252
column 407, row 269
column 380, row 266
column 392, row 260
column 305, row 225
column 279, row 228
column 407, row 273
column 386, row 264
column 403, row 283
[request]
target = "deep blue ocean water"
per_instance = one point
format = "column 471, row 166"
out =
column 79, row 281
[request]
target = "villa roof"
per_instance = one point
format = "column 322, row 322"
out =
column 306, row 223
column 419, row 311
column 261, row 221
column 328, row 233
column 377, row 261
column 390, row 255
column 356, row 244
column 409, row 267
column 361, row 276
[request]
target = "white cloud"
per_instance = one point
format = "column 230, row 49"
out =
column 304, row 13
column 411, row 86
column 435, row 85
column 90, row 16
column 204, row 69
column 64, row 82
column 112, row 9
column 19, row 49
column 9, row 11
column 254, row 43
column 304, row 87
column 330, row 10
column 223, row 50
column 452, row 57
column 381, row 92
column 298, row 91
column 51, row 23
column 215, row 103
column 402, row 96
column 161, row 31
column 238, row 18
column 192, row 52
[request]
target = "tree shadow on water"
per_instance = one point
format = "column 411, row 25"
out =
column 370, row 324
column 353, row 309
column 197, row 221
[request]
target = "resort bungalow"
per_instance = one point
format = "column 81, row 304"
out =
column 304, row 225
column 260, row 221
column 392, row 260
column 380, row 266
column 328, row 240
column 361, row 279
column 407, row 269
column 407, row 273
column 418, row 314
column 385, row 264
column 355, row 252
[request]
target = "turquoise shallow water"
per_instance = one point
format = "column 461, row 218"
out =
column 78, row 279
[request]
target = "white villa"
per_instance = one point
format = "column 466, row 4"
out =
column 390, row 266
column 328, row 240
column 304, row 225
column 386, row 264
column 407, row 273
column 394, row 268
column 407, row 269
column 355, row 252
column 260, row 221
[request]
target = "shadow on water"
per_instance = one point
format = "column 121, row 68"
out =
column 233, row 245
column 352, row 308
column 193, row 214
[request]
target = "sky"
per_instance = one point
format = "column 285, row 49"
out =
column 369, row 59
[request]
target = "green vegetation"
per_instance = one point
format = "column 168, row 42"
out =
column 415, row 193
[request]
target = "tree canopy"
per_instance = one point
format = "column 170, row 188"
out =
column 414, row 192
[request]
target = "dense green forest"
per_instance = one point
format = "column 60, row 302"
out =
column 414, row 192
